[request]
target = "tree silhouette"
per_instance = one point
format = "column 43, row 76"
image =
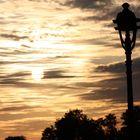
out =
column 15, row 138
column 109, row 123
column 68, row 127
column 74, row 126
column 136, row 115
column 49, row 134
column 91, row 129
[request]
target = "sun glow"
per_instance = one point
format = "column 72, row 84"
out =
column 37, row 74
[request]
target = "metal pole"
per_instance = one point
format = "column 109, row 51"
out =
column 128, row 51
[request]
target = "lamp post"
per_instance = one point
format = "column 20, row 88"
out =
column 126, row 22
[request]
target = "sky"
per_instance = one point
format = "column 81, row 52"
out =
column 57, row 55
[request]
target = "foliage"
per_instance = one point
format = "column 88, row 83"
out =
column 15, row 138
column 136, row 122
column 75, row 125
column 48, row 133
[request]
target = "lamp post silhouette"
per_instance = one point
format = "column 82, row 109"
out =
column 127, row 27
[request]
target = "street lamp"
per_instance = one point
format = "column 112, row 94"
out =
column 127, row 27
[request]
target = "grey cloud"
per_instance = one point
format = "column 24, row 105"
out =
column 115, row 68
column 15, row 108
column 56, row 74
column 19, row 83
column 17, row 75
column 110, row 94
column 106, row 9
column 114, row 90
column 9, row 81
column 17, row 79
column 105, row 13
column 118, row 67
column 20, row 76
column 12, row 36
column 69, row 24
column 110, row 89
column 12, row 79
column 104, row 60
column 87, row 4
column 14, row 62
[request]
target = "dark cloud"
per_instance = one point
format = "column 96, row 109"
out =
column 118, row 67
column 12, row 78
column 5, row 62
column 15, row 108
column 115, row 68
column 114, row 89
column 17, row 79
column 105, row 13
column 104, row 9
column 13, row 37
column 56, row 74
column 87, row 4
column 104, row 60
column 69, row 24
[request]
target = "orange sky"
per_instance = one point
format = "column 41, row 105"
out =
column 57, row 55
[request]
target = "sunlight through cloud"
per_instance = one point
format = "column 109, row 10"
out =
column 37, row 74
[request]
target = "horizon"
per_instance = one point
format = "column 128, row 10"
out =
column 61, row 55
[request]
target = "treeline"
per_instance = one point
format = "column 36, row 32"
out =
column 75, row 125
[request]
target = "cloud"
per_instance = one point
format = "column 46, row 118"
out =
column 119, row 67
column 14, row 37
column 104, row 60
column 87, row 4
column 56, row 74
column 13, row 78
column 104, row 9
column 114, row 89
column 18, row 80
column 104, row 14
column 114, row 68
column 90, row 41
column 2, row 1
column 111, row 90
column 15, row 108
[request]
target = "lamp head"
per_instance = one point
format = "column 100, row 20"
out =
column 125, row 5
column 126, row 20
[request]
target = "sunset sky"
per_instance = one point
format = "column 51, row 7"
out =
column 57, row 55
